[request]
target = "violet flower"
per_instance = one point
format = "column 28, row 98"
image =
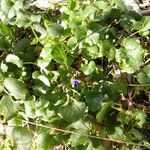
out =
column 74, row 82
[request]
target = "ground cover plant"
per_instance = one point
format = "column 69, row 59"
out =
column 74, row 76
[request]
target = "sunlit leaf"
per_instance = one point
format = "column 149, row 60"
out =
column 22, row 19
column 21, row 137
column 72, row 42
column 6, row 5
column 143, row 24
column 15, row 60
column 44, row 140
column 72, row 4
column 130, row 55
column 15, row 88
column 30, row 109
column 88, row 68
column 88, row 11
column 8, row 108
column 42, row 78
column 81, row 32
column 58, row 54
column 118, row 134
column 140, row 117
column 5, row 29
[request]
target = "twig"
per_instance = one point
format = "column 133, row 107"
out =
column 137, row 84
column 90, row 136
column 34, row 34
column 147, row 61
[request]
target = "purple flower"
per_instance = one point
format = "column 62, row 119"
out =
column 74, row 82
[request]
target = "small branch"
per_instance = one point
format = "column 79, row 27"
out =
column 147, row 61
column 90, row 136
column 138, row 85
column 34, row 34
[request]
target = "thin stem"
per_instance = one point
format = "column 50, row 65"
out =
column 138, row 32
column 34, row 34
column 139, row 85
column 147, row 61
column 90, row 136
column 30, row 63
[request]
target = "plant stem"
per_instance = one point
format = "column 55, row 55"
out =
column 90, row 136
column 138, row 84
column 34, row 34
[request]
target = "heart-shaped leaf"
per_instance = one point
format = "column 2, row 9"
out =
column 71, row 113
column 15, row 88
column 8, row 108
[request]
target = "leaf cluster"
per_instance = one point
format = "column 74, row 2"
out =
column 101, row 43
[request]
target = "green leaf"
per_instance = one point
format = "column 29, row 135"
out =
column 89, row 11
column 102, row 5
column 46, row 52
column 24, row 50
column 15, row 88
column 58, row 54
column 40, row 29
column 104, row 110
column 5, row 5
column 81, row 32
column 21, row 137
column 12, row 13
column 94, row 100
column 144, row 76
column 42, row 78
column 143, row 79
column 43, row 63
column 8, row 108
column 5, row 29
column 130, row 56
column 120, row 4
column 15, row 60
column 137, row 135
column 100, row 148
column 44, row 140
column 45, row 56
column 18, row 4
column 143, row 24
column 140, row 117
column 4, row 45
column 72, row 4
column 123, row 118
column 106, row 49
column 72, row 42
column 35, row 18
column 88, row 69
column 22, row 19
column 119, row 87
column 55, row 30
column 118, row 134
column 30, row 109
column 70, row 113
column 79, row 139
column 21, row 46
column 93, row 51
